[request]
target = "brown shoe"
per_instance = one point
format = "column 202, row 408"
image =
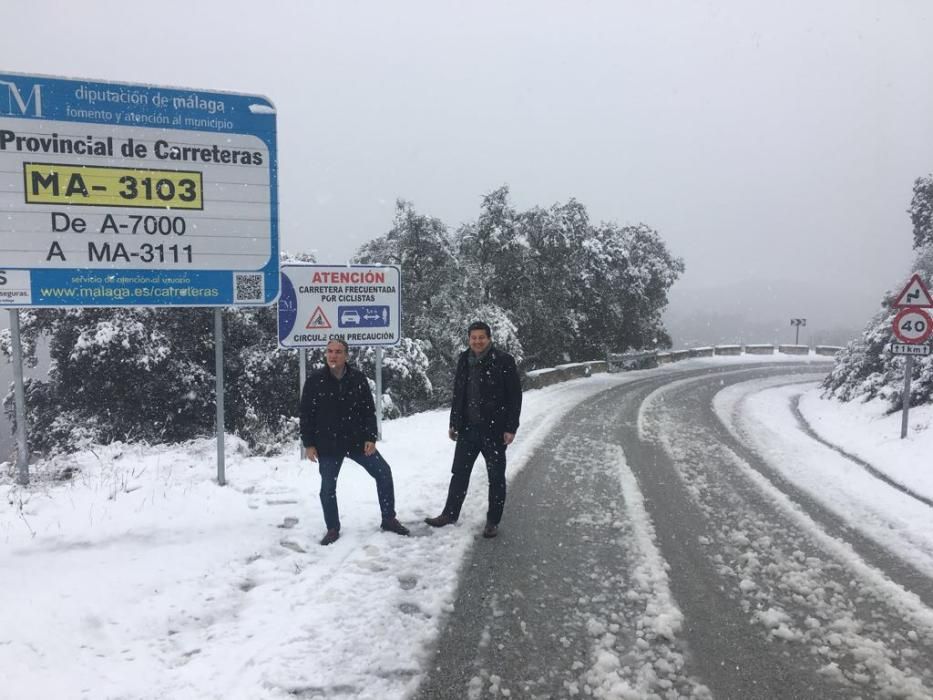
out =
column 393, row 525
column 440, row 521
column 490, row 531
column 330, row 537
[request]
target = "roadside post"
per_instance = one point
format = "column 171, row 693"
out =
column 798, row 322
column 378, row 379
column 131, row 195
column 19, row 391
column 219, row 392
column 360, row 303
column 302, row 376
column 912, row 326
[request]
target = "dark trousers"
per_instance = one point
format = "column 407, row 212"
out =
column 378, row 468
column 471, row 442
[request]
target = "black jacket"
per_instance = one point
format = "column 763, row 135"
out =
column 500, row 391
column 337, row 417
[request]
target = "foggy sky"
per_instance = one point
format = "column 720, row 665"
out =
column 768, row 143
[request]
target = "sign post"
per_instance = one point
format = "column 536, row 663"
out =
column 359, row 303
column 912, row 326
column 122, row 195
column 19, row 391
column 798, row 322
column 905, row 397
column 379, row 392
column 302, row 376
column 219, row 390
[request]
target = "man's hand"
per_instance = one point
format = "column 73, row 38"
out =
column 452, row 434
column 507, row 438
column 311, row 453
column 369, row 448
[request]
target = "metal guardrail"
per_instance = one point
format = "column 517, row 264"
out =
column 623, row 361
column 538, row 379
column 618, row 362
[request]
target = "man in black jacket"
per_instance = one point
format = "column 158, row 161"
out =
column 483, row 419
column 338, row 420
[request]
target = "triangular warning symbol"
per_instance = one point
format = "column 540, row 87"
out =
column 914, row 294
column 318, row 320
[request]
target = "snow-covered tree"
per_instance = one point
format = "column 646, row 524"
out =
column 570, row 288
column 421, row 246
column 921, row 211
column 405, row 381
column 552, row 286
column 493, row 251
column 148, row 374
column 115, row 374
column 867, row 368
column 548, row 313
column 432, row 293
column 631, row 272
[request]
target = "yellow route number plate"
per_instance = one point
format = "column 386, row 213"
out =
column 53, row 183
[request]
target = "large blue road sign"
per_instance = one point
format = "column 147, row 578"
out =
column 114, row 194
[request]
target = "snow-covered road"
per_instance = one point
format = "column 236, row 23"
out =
column 778, row 549
column 143, row 579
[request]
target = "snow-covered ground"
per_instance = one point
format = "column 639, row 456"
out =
column 141, row 578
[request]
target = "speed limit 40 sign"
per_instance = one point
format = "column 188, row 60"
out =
column 912, row 325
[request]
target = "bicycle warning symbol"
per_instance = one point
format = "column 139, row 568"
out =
column 318, row 320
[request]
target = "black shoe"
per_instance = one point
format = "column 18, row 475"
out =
column 330, row 537
column 393, row 525
column 490, row 531
column 440, row 521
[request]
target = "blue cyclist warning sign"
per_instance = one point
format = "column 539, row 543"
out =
column 360, row 304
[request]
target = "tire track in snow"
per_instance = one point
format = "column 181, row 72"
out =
column 569, row 600
column 807, row 591
column 651, row 609
column 887, row 543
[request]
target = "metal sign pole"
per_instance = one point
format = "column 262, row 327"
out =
column 19, row 392
column 219, row 389
column 302, row 377
column 379, row 392
column 908, row 370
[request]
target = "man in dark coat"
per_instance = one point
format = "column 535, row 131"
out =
column 484, row 417
column 338, row 420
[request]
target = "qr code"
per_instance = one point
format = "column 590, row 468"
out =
column 248, row 288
